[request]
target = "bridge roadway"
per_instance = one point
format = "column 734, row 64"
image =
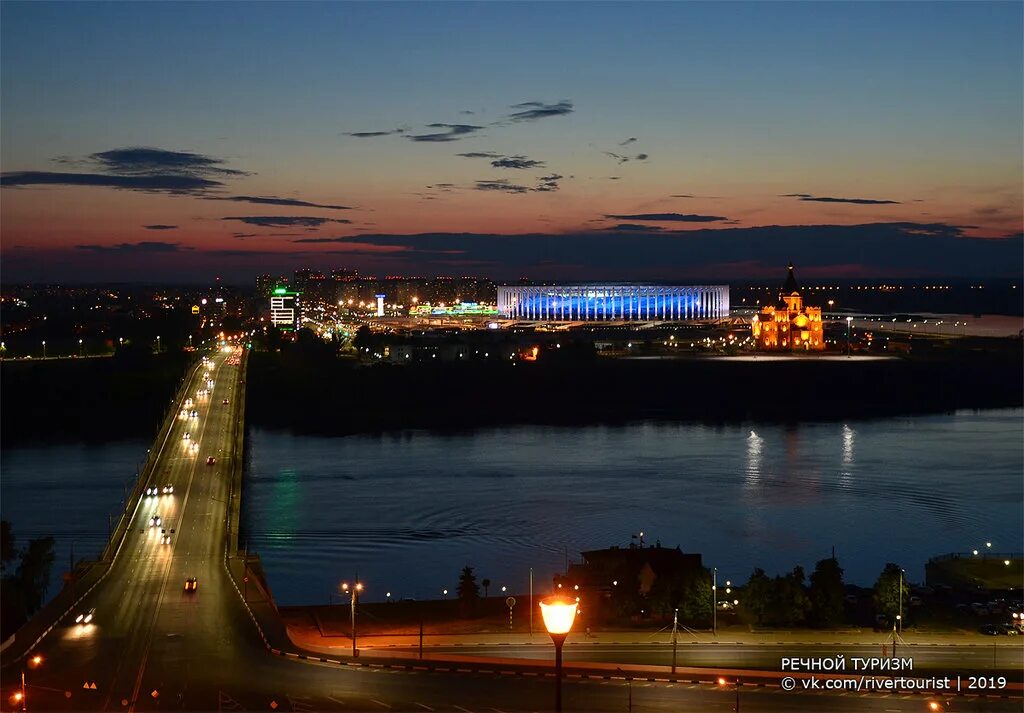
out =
column 152, row 646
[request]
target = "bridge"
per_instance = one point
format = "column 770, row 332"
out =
column 154, row 644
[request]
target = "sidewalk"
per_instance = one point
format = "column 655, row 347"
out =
column 307, row 631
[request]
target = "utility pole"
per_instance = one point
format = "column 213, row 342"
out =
column 531, row 601
column 675, row 630
column 714, row 601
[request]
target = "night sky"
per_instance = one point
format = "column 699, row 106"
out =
column 176, row 141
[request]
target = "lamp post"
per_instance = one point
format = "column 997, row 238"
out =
column 899, row 617
column 79, row 347
column 723, row 682
column 848, row 321
column 354, row 591
column 558, row 614
column 44, row 349
column 714, row 601
column 158, row 344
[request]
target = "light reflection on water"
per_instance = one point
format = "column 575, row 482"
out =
column 407, row 510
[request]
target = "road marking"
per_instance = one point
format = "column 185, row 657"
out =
column 465, row 710
column 380, row 703
column 332, row 698
column 424, row 706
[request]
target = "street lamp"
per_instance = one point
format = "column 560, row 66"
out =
column 714, row 601
column 158, row 344
column 21, row 697
column 79, row 347
column 44, row 349
column 558, row 614
column 848, row 321
column 354, row 591
column 722, row 682
column 444, row 594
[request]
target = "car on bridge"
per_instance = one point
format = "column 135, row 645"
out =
column 191, row 584
column 188, row 403
column 86, row 616
column 155, row 521
column 211, row 460
column 168, row 489
column 187, row 436
column 195, row 447
column 151, row 491
column 165, row 539
column 225, row 402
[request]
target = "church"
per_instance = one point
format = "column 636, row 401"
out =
column 788, row 325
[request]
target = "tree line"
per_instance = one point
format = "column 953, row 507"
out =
column 24, row 578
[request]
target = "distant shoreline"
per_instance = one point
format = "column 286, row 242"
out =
column 341, row 399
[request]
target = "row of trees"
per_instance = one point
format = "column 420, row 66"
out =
column 787, row 600
column 24, row 578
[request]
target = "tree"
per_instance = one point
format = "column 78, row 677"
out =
column 888, row 591
column 757, row 595
column 7, row 542
column 790, row 604
column 469, row 590
column 697, row 601
column 486, row 584
column 827, row 593
column 34, row 571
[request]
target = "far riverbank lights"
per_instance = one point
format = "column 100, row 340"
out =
column 559, row 614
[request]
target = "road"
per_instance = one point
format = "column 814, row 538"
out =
column 153, row 646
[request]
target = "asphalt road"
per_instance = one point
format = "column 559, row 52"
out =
column 153, row 646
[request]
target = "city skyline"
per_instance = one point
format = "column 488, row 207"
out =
column 546, row 141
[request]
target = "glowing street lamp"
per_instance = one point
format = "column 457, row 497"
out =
column 558, row 613
column 44, row 349
column 79, row 347
column 354, row 591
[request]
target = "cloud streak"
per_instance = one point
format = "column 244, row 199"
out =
column 140, row 247
column 273, row 200
column 160, row 227
column 280, row 221
column 669, row 217
column 532, row 111
column 455, row 132
column 826, row 199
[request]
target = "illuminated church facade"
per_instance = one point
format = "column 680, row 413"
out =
column 788, row 325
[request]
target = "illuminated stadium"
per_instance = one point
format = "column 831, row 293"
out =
column 616, row 302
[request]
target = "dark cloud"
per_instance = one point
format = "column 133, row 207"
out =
column 146, row 161
column 876, row 249
column 531, row 111
column 623, row 159
column 682, row 195
column 281, row 221
column 641, row 157
column 633, row 227
column 467, row 112
column 824, row 199
column 272, row 200
column 628, row 141
column 454, row 132
column 168, row 183
column 665, row 217
column 500, row 184
column 160, row 227
column 548, row 183
column 141, row 247
column 480, row 154
column 134, row 168
column 374, row 134
column 516, row 162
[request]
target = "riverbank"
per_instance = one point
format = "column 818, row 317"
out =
column 333, row 397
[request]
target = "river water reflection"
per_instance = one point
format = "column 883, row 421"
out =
column 407, row 510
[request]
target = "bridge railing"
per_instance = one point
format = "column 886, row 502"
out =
column 143, row 475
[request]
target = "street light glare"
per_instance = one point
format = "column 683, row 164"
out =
column 558, row 613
